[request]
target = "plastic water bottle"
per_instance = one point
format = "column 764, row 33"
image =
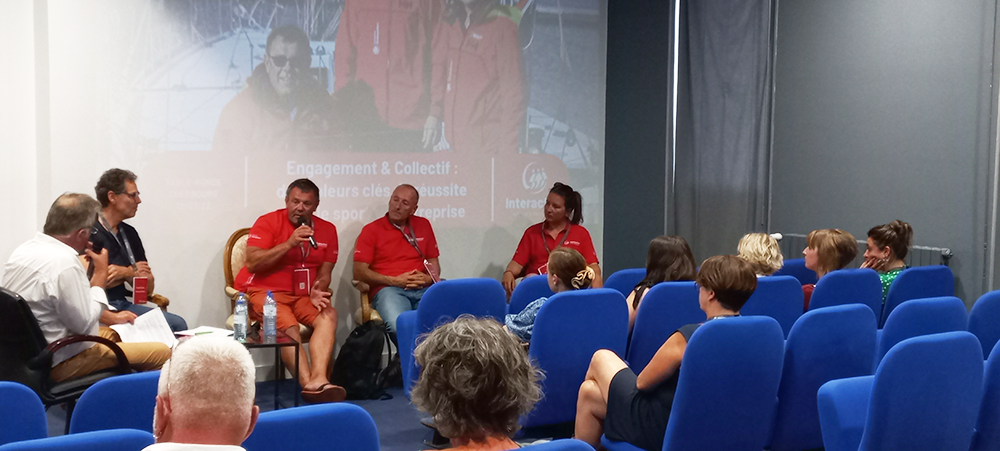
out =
column 270, row 319
column 240, row 318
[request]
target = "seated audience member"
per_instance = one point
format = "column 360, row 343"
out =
column 826, row 250
column 397, row 256
column 561, row 228
column 119, row 197
column 476, row 382
column 281, row 259
column 47, row 272
column 205, row 397
column 669, row 259
column 567, row 271
column 762, row 252
column 887, row 247
column 635, row 409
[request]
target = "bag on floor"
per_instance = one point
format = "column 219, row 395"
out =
column 359, row 368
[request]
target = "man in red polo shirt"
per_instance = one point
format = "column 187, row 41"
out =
column 397, row 255
column 291, row 253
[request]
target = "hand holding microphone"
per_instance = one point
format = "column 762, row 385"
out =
column 312, row 240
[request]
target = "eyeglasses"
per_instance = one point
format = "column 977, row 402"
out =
column 134, row 195
column 298, row 63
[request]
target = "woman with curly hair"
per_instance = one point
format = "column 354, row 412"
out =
column 888, row 245
column 762, row 252
column 567, row 271
column 669, row 259
column 476, row 382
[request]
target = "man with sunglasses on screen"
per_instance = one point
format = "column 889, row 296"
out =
column 283, row 107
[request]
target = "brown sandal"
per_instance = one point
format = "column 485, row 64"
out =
column 326, row 393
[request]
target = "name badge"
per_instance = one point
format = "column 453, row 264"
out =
column 432, row 270
column 139, row 286
column 301, row 282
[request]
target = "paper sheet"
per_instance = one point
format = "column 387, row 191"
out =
column 148, row 327
column 207, row 331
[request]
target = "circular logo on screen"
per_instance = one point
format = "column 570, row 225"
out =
column 534, row 177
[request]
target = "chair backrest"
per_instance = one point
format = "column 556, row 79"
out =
column 824, row 344
column 730, row 374
column 343, row 426
column 21, row 344
column 779, row 297
column 667, row 306
column 445, row 300
column 848, row 286
column 568, row 329
column 110, row 440
column 926, row 394
column 530, row 289
column 916, row 283
column 987, row 436
column 234, row 256
column 23, row 415
column 624, row 280
column 94, row 408
column 796, row 268
column 922, row 317
column 566, row 444
column 984, row 320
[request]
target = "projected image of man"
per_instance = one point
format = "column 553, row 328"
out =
column 397, row 256
column 280, row 258
column 119, row 196
column 283, row 107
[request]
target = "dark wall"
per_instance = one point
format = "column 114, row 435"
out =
column 881, row 112
column 638, row 86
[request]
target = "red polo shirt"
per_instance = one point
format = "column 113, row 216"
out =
column 531, row 253
column 387, row 252
column 273, row 229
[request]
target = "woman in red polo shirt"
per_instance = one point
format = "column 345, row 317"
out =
column 561, row 227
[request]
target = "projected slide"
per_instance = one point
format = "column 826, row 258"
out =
column 480, row 104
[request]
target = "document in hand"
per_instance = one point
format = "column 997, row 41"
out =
column 148, row 327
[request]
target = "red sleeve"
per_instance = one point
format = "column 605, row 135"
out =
column 587, row 248
column 807, row 291
column 511, row 74
column 432, row 244
column 364, row 249
column 262, row 233
column 523, row 252
column 439, row 68
column 345, row 53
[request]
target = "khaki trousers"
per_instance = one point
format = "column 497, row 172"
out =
column 141, row 356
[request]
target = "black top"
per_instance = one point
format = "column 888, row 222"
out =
column 117, row 255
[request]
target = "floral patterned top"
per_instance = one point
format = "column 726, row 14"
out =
column 888, row 278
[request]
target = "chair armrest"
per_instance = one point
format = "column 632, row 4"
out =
column 843, row 407
column 46, row 356
column 366, row 303
column 160, row 300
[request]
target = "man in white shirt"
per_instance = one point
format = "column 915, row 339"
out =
column 48, row 273
column 205, row 399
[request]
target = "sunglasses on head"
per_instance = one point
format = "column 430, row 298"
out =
column 280, row 61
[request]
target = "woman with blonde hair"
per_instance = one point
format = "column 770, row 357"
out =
column 887, row 246
column 762, row 252
column 476, row 382
column 568, row 270
column 827, row 250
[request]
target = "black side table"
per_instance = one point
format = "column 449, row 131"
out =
column 255, row 341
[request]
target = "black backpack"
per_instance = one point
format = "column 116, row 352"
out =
column 358, row 367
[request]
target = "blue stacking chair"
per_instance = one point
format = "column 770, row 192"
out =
column 916, row 283
column 23, row 415
column 921, row 317
column 987, row 436
column 569, row 328
column 796, row 268
column 107, row 440
column 624, row 280
column 101, row 406
column 984, row 320
column 667, row 306
column 526, row 292
column 445, row 301
column 779, row 297
column 729, row 374
column 566, row 444
column 848, row 286
column 824, row 344
column 340, row 426
column 925, row 394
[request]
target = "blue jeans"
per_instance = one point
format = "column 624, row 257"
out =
column 175, row 322
column 391, row 301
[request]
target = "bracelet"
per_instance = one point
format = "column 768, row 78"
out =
column 509, row 271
